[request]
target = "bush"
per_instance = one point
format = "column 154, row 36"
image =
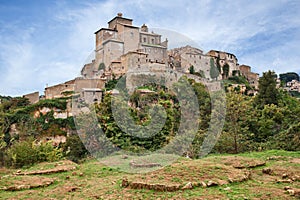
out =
column 74, row 149
column 47, row 152
column 22, row 153
column 27, row 152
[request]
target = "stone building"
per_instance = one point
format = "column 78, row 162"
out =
column 32, row 97
column 183, row 58
column 251, row 77
column 120, row 38
column 91, row 95
column 293, row 85
column 57, row 91
column 73, row 86
column 222, row 58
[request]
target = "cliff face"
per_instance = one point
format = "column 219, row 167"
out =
column 46, row 120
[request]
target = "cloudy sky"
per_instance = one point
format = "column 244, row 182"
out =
column 47, row 42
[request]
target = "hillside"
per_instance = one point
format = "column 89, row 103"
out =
column 263, row 175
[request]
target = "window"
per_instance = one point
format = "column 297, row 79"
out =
column 131, row 34
column 152, row 41
column 144, row 39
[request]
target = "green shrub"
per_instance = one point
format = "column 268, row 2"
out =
column 74, row 149
column 47, row 152
column 27, row 152
column 22, row 153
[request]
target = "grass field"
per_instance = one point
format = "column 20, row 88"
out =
column 270, row 173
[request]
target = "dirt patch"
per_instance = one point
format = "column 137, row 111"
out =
column 28, row 182
column 295, row 160
column 143, row 165
column 58, row 168
column 242, row 162
column 188, row 175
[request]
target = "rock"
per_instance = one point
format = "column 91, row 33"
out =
column 287, row 188
column 71, row 189
column 211, row 183
column 291, row 192
column 67, row 177
column 222, row 182
column 285, row 176
column 81, row 174
column 124, row 156
column 267, row 171
column 227, row 189
column 125, row 182
column 74, row 173
column 285, row 181
column 144, row 165
column 296, row 178
column 188, row 186
column 203, row 184
column 19, row 171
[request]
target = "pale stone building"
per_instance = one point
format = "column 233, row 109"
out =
column 225, row 58
column 73, row 86
column 91, row 95
column 183, row 58
column 117, row 40
column 251, row 77
column 293, row 85
column 32, row 97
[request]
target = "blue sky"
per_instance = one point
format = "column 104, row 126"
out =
column 47, row 42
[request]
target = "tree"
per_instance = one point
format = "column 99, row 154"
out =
column 192, row 69
column 226, row 70
column 268, row 93
column 237, row 107
column 214, row 72
column 287, row 77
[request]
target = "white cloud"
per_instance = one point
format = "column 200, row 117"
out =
column 262, row 34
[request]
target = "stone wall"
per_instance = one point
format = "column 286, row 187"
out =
column 32, row 97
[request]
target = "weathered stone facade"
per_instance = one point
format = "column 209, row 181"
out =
column 72, row 86
column 32, row 97
column 122, row 47
column 91, row 95
column 121, row 42
column 293, row 85
column 183, row 58
column 250, row 76
column 222, row 58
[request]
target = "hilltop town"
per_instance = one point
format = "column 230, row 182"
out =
column 51, row 144
column 122, row 46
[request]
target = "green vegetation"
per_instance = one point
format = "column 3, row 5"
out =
column 268, row 94
column 267, row 121
column 101, row 66
column 93, row 180
column 192, row 69
column 226, row 70
column 214, row 71
column 287, row 77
